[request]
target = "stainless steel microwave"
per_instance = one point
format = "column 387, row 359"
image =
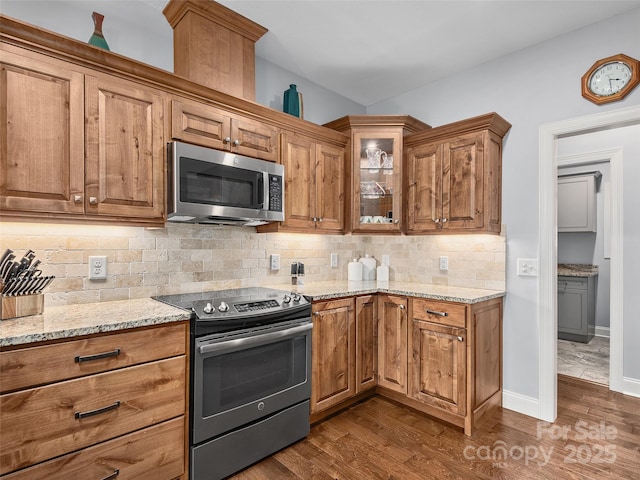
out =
column 216, row 187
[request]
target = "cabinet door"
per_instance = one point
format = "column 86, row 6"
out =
column 438, row 366
column 333, row 355
column 41, row 135
column 392, row 343
column 424, row 188
column 253, row 138
column 330, row 187
column 200, row 124
column 577, row 209
column 125, row 149
column 377, row 180
column 572, row 307
column 366, row 342
column 298, row 155
column 462, row 191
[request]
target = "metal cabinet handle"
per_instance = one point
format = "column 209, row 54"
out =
column 320, row 219
column 237, row 142
column 98, row 411
column 226, row 140
column 115, row 473
column 97, row 356
column 317, row 314
column 315, row 219
column 460, row 338
column 93, row 200
column 402, row 307
column 77, row 198
column 444, row 220
column 439, row 314
column 437, row 220
column 396, row 221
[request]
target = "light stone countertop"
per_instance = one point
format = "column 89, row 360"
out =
column 577, row 270
column 84, row 319
column 327, row 290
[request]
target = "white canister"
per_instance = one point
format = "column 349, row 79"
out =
column 354, row 271
column 368, row 267
column 382, row 273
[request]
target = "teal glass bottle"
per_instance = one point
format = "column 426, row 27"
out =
column 97, row 39
column 291, row 103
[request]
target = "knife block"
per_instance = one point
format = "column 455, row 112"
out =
column 23, row 306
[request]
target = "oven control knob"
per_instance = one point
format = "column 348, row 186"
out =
column 223, row 307
column 208, row 308
column 286, row 299
column 296, row 298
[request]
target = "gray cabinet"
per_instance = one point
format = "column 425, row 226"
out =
column 576, row 308
column 577, row 210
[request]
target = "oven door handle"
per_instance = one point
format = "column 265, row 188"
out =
column 252, row 341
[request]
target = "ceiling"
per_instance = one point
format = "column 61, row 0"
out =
column 370, row 50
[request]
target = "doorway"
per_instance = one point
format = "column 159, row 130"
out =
column 547, row 282
column 584, row 257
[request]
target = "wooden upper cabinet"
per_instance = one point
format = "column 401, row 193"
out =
column 125, row 149
column 314, row 186
column 209, row 126
column 41, row 135
column 454, row 177
column 333, row 364
column 392, row 342
column 375, row 170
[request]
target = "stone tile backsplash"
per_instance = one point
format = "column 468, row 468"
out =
column 142, row 262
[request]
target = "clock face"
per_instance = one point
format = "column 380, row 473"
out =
column 609, row 79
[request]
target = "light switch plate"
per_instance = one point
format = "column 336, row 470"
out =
column 275, row 261
column 444, row 263
column 527, row 267
column 334, row 260
column 97, row 267
column 385, row 260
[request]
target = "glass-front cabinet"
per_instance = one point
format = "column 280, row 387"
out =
column 376, row 162
column 377, row 181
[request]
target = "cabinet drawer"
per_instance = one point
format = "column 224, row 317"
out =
column 34, row 366
column 440, row 312
column 44, row 422
column 153, row 453
column 572, row 283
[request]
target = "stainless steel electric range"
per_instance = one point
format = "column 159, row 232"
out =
column 250, row 376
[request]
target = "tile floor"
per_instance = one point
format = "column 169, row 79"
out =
column 586, row 361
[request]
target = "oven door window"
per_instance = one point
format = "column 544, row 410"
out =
column 233, row 379
column 217, row 184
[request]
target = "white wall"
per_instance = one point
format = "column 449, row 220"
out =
column 141, row 32
column 532, row 87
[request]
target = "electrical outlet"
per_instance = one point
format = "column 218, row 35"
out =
column 385, row 260
column 334, row 260
column 275, row 261
column 527, row 267
column 97, row 268
column 444, row 263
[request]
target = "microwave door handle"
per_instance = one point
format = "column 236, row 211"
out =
column 247, row 342
column 265, row 191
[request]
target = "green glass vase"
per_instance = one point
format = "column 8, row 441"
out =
column 97, row 39
column 291, row 103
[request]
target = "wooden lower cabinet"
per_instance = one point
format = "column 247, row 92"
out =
column 366, row 342
column 104, row 403
column 392, row 342
column 333, row 353
column 455, row 363
column 438, row 357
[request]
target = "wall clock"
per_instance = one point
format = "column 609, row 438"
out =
column 611, row 79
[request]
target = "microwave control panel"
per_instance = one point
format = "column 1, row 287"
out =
column 275, row 193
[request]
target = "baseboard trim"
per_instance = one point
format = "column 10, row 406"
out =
column 521, row 403
column 631, row 386
column 603, row 332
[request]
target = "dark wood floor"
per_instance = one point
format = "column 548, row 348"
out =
column 596, row 436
